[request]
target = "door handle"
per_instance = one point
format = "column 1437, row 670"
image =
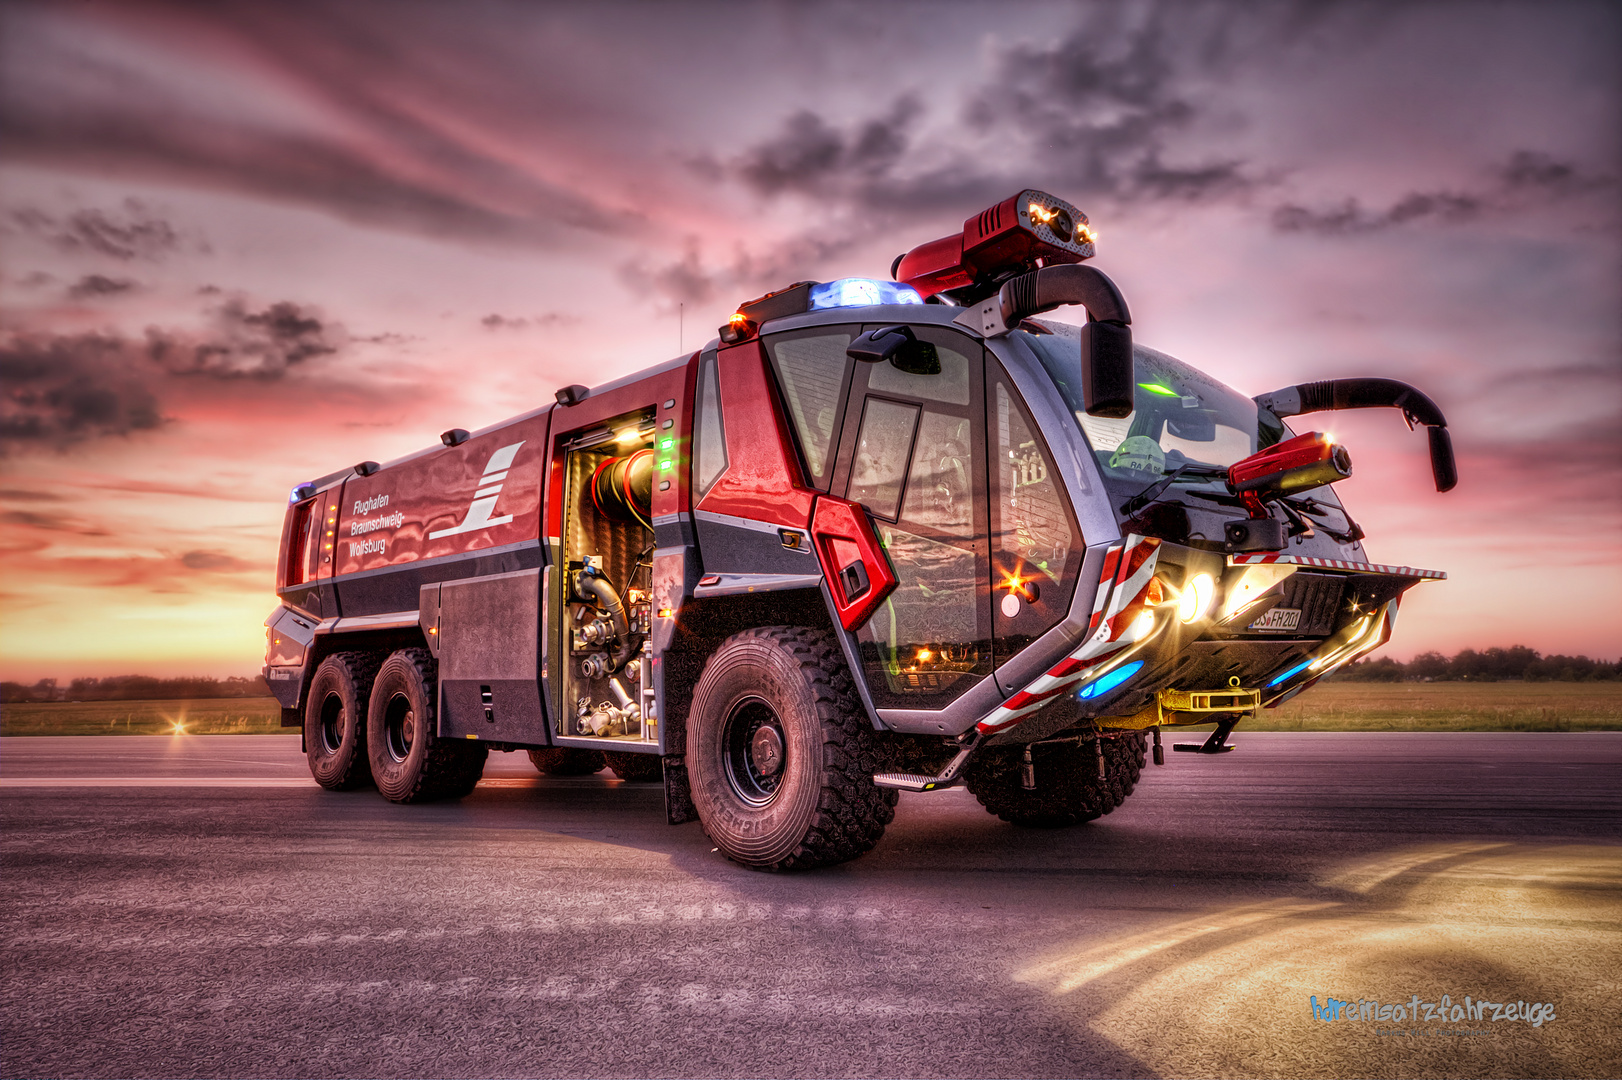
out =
column 855, row 564
column 853, row 578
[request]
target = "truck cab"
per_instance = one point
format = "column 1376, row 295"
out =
column 877, row 536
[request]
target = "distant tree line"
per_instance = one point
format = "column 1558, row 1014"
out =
column 1488, row 665
column 135, row 688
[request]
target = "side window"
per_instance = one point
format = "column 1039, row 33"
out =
column 883, row 444
column 812, row 369
column 711, row 460
column 1035, row 545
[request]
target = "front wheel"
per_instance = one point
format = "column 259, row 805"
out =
column 781, row 755
column 410, row 762
column 1068, row 791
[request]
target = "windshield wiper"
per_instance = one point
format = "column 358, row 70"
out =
column 1190, row 469
column 1306, row 504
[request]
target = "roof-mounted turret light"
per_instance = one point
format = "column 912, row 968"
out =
column 1019, row 234
column 806, row 296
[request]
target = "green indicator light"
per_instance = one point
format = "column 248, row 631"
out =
column 663, row 465
column 667, row 444
column 1156, row 388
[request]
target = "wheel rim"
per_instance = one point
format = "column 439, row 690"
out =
column 400, row 722
column 332, row 723
column 755, row 752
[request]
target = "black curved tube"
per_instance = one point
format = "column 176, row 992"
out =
column 1068, row 283
column 1370, row 394
column 600, row 591
column 1332, row 394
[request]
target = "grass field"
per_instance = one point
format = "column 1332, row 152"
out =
column 1505, row 706
column 211, row 716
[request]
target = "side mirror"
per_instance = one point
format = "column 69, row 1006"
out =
column 898, row 345
column 1106, row 369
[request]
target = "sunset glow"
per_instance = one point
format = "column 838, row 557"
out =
column 243, row 246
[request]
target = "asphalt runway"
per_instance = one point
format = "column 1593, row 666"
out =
column 196, row 906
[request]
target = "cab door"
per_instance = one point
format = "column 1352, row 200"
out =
column 1036, row 545
column 911, row 451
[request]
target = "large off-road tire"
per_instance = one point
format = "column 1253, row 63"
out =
column 410, row 763
column 1067, row 788
column 781, row 755
column 567, row 761
column 636, row 768
column 335, row 720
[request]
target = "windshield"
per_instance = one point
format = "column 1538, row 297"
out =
column 1181, row 417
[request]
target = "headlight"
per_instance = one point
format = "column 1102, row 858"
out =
column 1196, row 598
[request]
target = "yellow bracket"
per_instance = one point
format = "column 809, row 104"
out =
column 1169, row 703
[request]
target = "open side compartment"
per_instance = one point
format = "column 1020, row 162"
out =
column 604, row 588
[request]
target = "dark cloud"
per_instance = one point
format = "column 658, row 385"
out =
column 94, row 285
column 1350, row 217
column 682, row 281
column 1103, row 111
column 1527, row 178
column 689, row 280
column 1528, row 170
column 213, row 561
column 810, row 156
column 524, row 322
column 24, row 495
column 56, row 390
column 242, row 343
column 50, row 522
column 1106, row 105
column 131, row 232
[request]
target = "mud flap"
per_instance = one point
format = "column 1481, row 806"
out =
column 679, row 808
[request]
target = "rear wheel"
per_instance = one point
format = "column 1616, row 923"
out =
column 335, row 721
column 410, row 763
column 562, row 761
column 1068, row 791
column 781, row 755
column 636, row 768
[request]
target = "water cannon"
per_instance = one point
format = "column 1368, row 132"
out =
column 1022, row 233
column 1287, row 468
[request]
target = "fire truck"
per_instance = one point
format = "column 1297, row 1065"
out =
column 877, row 536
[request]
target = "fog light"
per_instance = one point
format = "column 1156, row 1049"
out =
column 1196, row 598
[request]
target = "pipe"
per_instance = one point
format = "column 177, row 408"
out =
column 599, row 591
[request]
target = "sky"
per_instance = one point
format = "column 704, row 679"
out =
column 246, row 244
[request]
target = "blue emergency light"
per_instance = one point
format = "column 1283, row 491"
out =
column 1105, row 683
column 861, row 292
column 1292, row 673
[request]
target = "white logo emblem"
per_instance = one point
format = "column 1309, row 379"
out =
column 484, row 499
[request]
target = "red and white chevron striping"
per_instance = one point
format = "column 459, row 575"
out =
column 1260, row 559
column 1122, row 596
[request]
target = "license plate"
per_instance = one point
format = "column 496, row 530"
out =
column 1279, row 618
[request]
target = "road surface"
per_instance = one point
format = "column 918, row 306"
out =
column 196, row 906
